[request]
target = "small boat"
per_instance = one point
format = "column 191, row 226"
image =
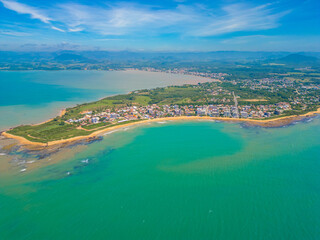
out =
column 85, row 161
column 23, row 170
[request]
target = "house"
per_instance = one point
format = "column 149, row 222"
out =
column 267, row 114
column 95, row 120
column 227, row 114
column 201, row 111
column 214, row 114
column 244, row 114
column 114, row 115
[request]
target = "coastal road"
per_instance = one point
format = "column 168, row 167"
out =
column 235, row 103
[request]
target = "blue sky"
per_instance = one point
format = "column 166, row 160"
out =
column 167, row 25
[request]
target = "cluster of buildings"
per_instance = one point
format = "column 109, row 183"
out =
column 156, row 111
column 188, row 71
column 297, row 92
column 272, row 84
column 223, row 102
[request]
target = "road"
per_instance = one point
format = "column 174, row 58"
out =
column 236, row 104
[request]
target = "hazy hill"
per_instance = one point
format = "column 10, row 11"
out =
column 70, row 57
column 115, row 59
column 298, row 60
column 128, row 56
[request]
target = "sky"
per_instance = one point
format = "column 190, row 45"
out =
column 166, row 25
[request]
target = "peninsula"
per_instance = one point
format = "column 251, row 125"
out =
column 265, row 102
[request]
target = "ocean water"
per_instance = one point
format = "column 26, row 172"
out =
column 35, row 96
column 174, row 180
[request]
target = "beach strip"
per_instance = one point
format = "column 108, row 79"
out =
column 259, row 122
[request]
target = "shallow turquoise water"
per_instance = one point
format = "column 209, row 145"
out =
column 192, row 180
column 34, row 96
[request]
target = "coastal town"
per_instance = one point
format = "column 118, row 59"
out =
column 154, row 111
column 186, row 71
column 247, row 99
column 221, row 98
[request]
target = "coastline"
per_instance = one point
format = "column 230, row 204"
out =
column 61, row 113
column 26, row 114
column 281, row 121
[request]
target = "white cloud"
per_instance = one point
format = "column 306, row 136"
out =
column 240, row 17
column 32, row 11
column 14, row 33
column 77, row 29
column 193, row 20
column 58, row 29
column 120, row 19
column 128, row 18
column 246, row 39
column 25, row 9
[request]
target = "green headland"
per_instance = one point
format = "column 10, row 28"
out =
column 262, row 99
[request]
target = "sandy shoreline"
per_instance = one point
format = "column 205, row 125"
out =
column 264, row 123
column 61, row 113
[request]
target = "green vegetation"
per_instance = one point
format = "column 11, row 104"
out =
column 162, row 96
column 271, row 97
column 50, row 131
column 172, row 95
column 95, row 126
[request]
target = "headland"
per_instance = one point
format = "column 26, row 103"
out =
column 215, row 100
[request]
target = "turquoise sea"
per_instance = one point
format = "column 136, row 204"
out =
column 166, row 180
column 174, row 180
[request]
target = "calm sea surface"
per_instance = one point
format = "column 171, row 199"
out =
column 172, row 180
column 34, row 96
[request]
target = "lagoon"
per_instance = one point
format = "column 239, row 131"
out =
column 35, row 96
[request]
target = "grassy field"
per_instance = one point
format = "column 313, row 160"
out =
column 50, row 131
column 95, row 126
column 53, row 131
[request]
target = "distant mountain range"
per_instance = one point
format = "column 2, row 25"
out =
column 122, row 57
column 70, row 57
column 298, row 59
